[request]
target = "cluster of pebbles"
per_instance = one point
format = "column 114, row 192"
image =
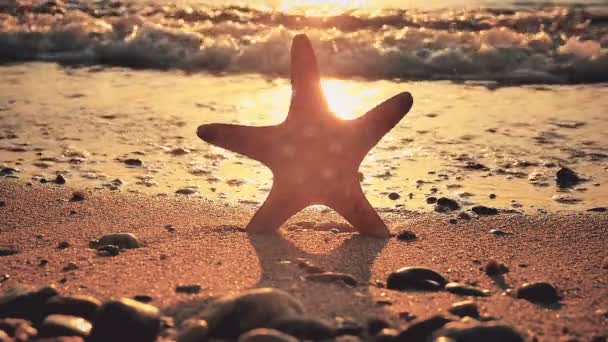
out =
column 261, row 314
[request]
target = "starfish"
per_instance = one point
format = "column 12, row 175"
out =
column 314, row 156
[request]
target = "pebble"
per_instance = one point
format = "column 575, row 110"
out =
column 70, row 267
column 499, row 232
column 431, row 200
column 465, row 290
column 231, row 316
column 143, row 298
column 77, row 305
column 265, row 335
column 134, row 162
column 6, row 250
column 539, row 292
column 304, row 328
column 394, row 196
column 60, row 180
column 308, row 266
column 565, row 199
column 446, row 204
column 20, row 329
column 125, row 320
column 332, row 277
column 185, row 191
column 25, row 303
column 421, row 330
column 595, row 210
column 482, row 210
column 465, row 308
column 494, row 267
column 64, row 325
column 407, row 236
column 122, row 240
column 415, row 278
column 78, row 196
column 193, row 330
column 108, row 250
column 464, row 216
column 472, row 332
column 567, row 178
column 190, row 289
column 492, row 196
column 63, row 245
column 2, row 203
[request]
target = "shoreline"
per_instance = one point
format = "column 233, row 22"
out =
column 208, row 248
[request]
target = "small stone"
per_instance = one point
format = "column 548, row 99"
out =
column 567, row 178
column 492, row 196
column 407, row 236
column 108, row 250
column 539, row 292
column 63, row 325
column 125, row 320
column 308, row 266
column 464, row 290
column 193, row 330
column 78, row 196
column 142, row 298
column 416, row 278
column 394, row 196
column 446, row 204
column 19, row 329
column 472, row 331
column 190, row 289
column 70, row 267
column 2, row 203
column 170, row 228
column 453, row 221
column 595, row 210
column 25, row 303
column 494, row 267
column 60, row 180
column 499, row 232
column 6, row 250
column 63, row 245
column 465, row 308
column 185, row 191
column 179, row 151
column 482, row 210
column 133, row 162
column 231, row 316
column 304, row 328
column 464, row 216
column 421, row 330
column 565, row 199
column 122, row 240
column 332, row 277
column 265, row 335
column 77, row 305
column 431, row 200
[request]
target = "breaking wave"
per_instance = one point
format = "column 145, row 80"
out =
column 541, row 45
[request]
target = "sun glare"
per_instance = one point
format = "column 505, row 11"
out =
column 343, row 99
column 316, row 7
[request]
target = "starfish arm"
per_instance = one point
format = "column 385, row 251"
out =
column 278, row 208
column 373, row 125
column 356, row 209
column 307, row 95
column 252, row 142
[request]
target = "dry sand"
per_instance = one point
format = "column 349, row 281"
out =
column 206, row 248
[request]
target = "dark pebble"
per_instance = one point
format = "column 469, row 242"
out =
column 125, row 320
column 77, row 305
column 20, row 329
column 595, row 210
column 431, row 200
column 465, row 308
column 499, row 232
column 8, row 250
column 492, row 196
column 27, row 304
column 493, row 267
column 122, row 240
column 420, row 331
column 464, row 216
column 453, row 221
column 133, row 162
column 78, row 196
column 108, row 250
column 60, row 180
column 332, row 277
column 231, row 316
column 416, row 278
column 63, row 325
column 407, row 235
column 143, row 298
column 190, row 289
column 304, row 328
column 464, row 290
column 2, row 203
column 265, row 335
column 446, row 204
column 185, row 191
column 482, row 210
column 473, row 332
column 394, row 196
column 63, row 245
column 567, row 178
column 193, row 330
column 539, row 292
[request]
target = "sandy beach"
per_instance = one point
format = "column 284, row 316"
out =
column 208, row 248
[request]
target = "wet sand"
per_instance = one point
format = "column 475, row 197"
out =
column 207, row 248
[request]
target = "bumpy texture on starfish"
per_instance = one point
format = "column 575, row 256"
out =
column 314, row 156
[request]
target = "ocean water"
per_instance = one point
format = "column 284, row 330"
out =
column 505, row 93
